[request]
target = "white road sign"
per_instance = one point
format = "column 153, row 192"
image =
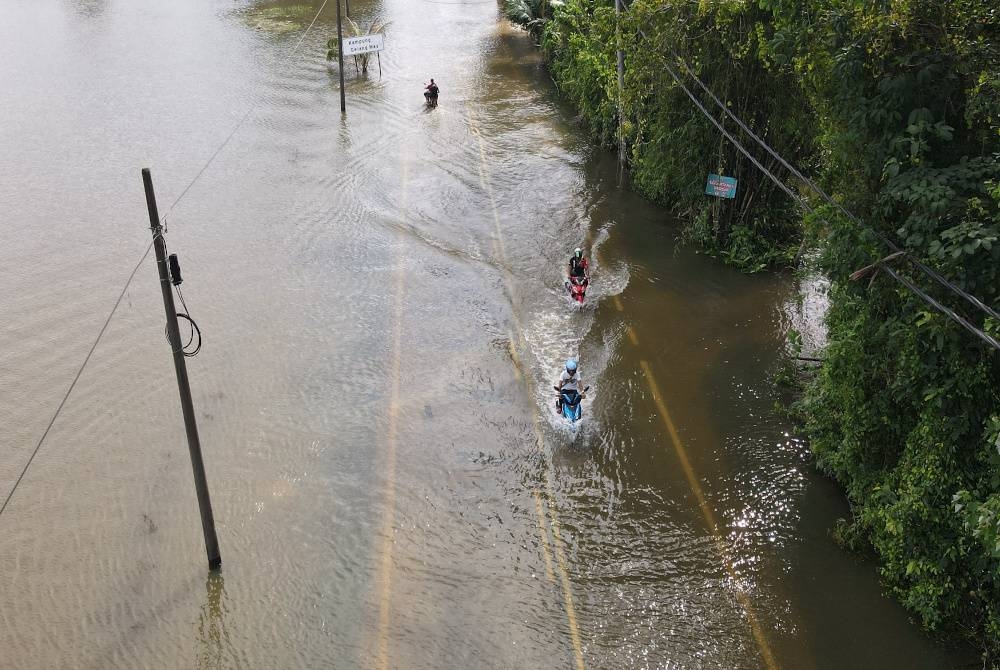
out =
column 365, row 44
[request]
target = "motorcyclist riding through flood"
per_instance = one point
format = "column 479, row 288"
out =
column 579, row 275
column 579, row 268
column 431, row 91
column 570, row 385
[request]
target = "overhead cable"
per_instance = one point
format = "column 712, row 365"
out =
column 973, row 300
column 948, row 312
column 131, row 276
column 76, row 378
column 242, row 120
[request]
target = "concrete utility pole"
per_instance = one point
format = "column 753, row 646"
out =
column 180, row 367
column 340, row 58
column 621, row 81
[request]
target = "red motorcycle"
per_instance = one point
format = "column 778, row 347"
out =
column 577, row 287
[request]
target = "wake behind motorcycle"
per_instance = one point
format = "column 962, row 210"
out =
column 577, row 288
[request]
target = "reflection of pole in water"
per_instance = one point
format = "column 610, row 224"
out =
column 216, row 649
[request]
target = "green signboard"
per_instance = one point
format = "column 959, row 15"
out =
column 721, row 187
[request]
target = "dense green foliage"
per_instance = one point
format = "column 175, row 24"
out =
column 894, row 107
column 905, row 412
column 672, row 148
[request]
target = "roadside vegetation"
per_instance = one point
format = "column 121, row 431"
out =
column 892, row 107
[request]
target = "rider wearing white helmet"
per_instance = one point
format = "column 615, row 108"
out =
column 569, row 381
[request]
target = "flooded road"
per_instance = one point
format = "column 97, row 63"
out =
column 381, row 302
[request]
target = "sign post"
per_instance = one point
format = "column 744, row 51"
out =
column 340, row 57
column 364, row 44
column 721, row 187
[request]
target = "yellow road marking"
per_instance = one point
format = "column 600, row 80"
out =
column 709, row 515
column 513, row 354
column 385, row 567
column 706, row 510
column 545, row 537
column 388, row 521
column 574, row 629
column 561, row 562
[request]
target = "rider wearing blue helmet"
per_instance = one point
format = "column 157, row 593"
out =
column 569, row 382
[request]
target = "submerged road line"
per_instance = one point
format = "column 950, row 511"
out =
column 710, row 521
column 557, row 541
column 699, row 494
column 545, row 537
column 388, row 521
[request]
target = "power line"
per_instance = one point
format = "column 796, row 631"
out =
column 72, row 385
column 973, row 300
column 135, row 269
column 240, row 123
column 930, row 272
column 948, row 312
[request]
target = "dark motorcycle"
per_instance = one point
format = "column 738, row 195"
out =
column 431, row 95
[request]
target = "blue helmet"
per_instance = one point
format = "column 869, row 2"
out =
column 571, row 365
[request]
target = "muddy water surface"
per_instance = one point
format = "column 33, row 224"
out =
column 381, row 301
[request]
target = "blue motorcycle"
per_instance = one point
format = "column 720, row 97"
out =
column 570, row 403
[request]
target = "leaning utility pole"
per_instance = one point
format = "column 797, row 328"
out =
column 180, row 367
column 340, row 59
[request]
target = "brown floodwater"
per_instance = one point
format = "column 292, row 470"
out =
column 381, row 302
